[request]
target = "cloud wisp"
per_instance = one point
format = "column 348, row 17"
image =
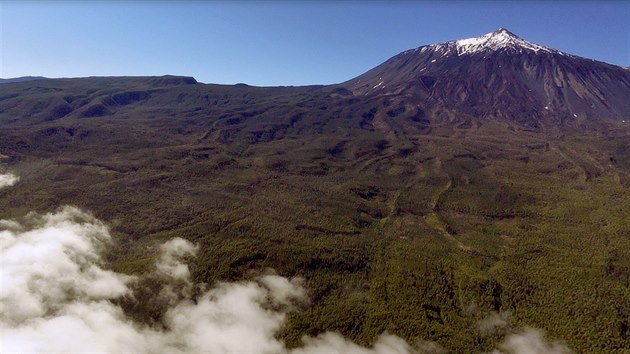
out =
column 518, row 340
column 8, row 179
column 530, row 341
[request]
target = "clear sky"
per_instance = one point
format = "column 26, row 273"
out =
column 281, row 42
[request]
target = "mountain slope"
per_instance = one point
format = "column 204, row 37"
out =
column 503, row 76
column 21, row 79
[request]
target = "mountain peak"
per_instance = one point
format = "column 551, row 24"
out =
column 497, row 40
column 502, row 75
column 505, row 31
column 500, row 40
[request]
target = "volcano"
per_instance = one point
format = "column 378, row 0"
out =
column 500, row 75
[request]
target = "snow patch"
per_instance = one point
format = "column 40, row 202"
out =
column 501, row 39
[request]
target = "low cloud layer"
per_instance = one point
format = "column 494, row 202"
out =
column 518, row 340
column 494, row 323
column 530, row 341
column 8, row 179
column 57, row 296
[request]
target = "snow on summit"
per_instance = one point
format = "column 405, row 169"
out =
column 501, row 39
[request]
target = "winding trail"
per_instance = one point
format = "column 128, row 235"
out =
column 433, row 218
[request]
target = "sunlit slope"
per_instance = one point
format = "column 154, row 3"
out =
column 402, row 217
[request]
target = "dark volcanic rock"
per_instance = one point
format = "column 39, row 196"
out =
column 96, row 110
column 502, row 75
column 169, row 80
column 60, row 111
column 21, row 79
column 128, row 97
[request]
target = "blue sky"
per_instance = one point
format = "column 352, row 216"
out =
column 281, row 42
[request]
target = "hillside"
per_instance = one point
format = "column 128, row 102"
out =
column 502, row 76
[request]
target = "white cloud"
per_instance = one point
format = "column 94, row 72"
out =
column 172, row 252
column 531, row 341
column 230, row 318
column 333, row 343
column 172, row 275
column 495, row 322
column 54, row 263
column 8, row 179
